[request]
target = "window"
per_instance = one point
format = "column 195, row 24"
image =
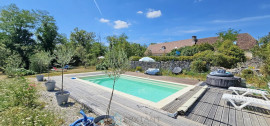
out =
column 163, row 47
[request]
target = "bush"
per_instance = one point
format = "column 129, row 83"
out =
column 191, row 50
column 207, row 56
column 20, row 116
column 246, row 73
column 170, row 58
column 199, row 66
column 134, row 58
column 139, row 68
column 101, row 66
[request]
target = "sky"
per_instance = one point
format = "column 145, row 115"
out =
column 155, row 21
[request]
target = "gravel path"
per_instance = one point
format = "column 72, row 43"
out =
column 69, row 112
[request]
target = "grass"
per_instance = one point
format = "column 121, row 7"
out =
column 79, row 69
column 19, row 104
column 186, row 74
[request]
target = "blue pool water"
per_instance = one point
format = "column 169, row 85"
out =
column 152, row 90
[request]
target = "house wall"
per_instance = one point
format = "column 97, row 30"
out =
column 162, row 64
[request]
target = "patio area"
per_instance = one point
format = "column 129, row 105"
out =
column 209, row 109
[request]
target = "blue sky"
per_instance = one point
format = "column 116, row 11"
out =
column 154, row 21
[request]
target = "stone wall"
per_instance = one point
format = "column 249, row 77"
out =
column 162, row 64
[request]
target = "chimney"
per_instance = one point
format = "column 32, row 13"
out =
column 194, row 39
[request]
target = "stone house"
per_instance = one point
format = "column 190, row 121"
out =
column 244, row 40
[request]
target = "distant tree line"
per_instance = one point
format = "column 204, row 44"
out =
column 24, row 33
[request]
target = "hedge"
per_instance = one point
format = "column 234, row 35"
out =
column 164, row 58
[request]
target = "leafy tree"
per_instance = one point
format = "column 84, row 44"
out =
column 229, row 49
column 98, row 49
column 230, row 34
column 16, row 25
column 4, row 54
column 83, row 38
column 47, row 32
column 40, row 61
column 119, row 42
column 13, row 62
column 117, row 62
column 83, row 55
column 262, row 50
column 64, row 56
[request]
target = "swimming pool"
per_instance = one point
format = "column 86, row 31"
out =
column 148, row 89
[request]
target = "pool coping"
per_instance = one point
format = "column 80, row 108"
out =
column 158, row 105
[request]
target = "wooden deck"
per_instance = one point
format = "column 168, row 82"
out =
column 211, row 110
column 174, row 105
column 125, row 110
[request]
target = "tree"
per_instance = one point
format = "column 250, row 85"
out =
column 83, row 38
column 16, row 25
column 120, row 42
column 262, row 50
column 47, row 31
column 64, row 56
column 230, row 34
column 83, row 55
column 40, row 61
column 117, row 62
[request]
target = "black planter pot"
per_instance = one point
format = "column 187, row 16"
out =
column 50, row 85
column 39, row 77
column 62, row 97
column 97, row 119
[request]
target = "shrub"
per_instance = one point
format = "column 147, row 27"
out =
column 13, row 62
column 19, row 106
column 101, row 66
column 247, row 73
column 134, row 58
column 207, row 56
column 139, row 68
column 192, row 50
column 170, row 58
column 24, row 72
column 199, row 66
column 19, row 116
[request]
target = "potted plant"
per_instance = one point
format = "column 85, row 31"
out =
column 64, row 56
column 38, row 63
column 117, row 62
column 50, row 84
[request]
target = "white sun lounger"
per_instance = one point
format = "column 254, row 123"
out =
column 249, row 91
column 246, row 100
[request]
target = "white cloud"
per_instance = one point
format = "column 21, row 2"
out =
column 153, row 14
column 243, row 19
column 120, row 24
column 102, row 20
column 139, row 12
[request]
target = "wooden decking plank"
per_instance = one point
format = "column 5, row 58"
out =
column 218, row 114
column 211, row 115
column 202, row 113
column 239, row 118
column 216, row 123
column 246, row 118
column 267, row 120
column 254, row 119
column 232, row 117
column 225, row 115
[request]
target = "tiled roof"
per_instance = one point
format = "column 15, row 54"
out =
column 244, row 41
